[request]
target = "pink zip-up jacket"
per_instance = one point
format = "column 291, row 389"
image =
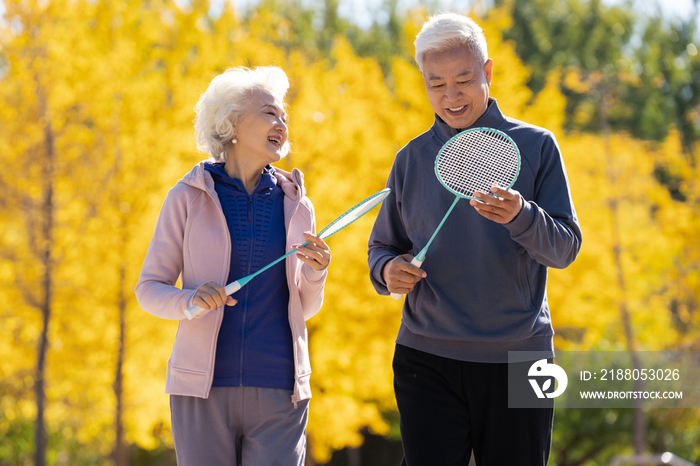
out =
column 192, row 240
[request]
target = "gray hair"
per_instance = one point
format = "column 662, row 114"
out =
column 226, row 100
column 448, row 30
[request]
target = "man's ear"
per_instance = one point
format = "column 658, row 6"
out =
column 488, row 70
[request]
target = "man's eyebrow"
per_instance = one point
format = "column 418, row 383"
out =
column 460, row 75
column 467, row 73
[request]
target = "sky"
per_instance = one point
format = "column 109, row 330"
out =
column 363, row 12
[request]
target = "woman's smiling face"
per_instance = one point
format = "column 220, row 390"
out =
column 457, row 85
column 262, row 132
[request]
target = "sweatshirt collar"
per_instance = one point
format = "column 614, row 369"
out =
column 492, row 118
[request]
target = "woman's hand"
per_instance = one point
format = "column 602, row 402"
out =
column 316, row 254
column 212, row 296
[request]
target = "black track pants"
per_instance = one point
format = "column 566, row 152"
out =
column 450, row 407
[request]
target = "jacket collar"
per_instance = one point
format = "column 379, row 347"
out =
column 492, row 118
column 292, row 183
column 266, row 181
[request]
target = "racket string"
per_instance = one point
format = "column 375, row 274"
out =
column 477, row 160
column 354, row 213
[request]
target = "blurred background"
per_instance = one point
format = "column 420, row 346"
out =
column 96, row 110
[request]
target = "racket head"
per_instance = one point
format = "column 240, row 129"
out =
column 354, row 213
column 476, row 158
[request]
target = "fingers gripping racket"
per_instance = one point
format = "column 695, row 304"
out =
column 472, row 161
column 334, row 227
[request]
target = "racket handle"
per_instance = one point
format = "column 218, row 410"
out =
column 417, row 262
column 232, row 288
column 195, row 310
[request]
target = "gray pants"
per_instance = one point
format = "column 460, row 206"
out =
column 239, row 426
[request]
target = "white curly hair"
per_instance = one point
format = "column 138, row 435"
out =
column 226, row 100
column 448, row 30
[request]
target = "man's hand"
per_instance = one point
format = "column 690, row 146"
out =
column 400, row 276
column 502, row 209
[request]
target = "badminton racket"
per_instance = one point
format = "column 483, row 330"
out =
column 472, row 161
column 334, row 227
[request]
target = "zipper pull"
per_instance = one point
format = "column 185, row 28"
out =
column 250, row 209
column 294, row 400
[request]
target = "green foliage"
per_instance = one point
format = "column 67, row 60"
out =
column 670, row 61
column 649, row 66
column 580, row 33
column 589, row 436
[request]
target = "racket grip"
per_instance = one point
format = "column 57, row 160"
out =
column 195, row 310
column 417, row 262
column 232, row 288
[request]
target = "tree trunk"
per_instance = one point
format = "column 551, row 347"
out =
column 354, row 456
column 46, row 258
column 121, row 457
column 639, row 419
column 309, row 461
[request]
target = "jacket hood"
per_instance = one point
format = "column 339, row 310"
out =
column 292, row 183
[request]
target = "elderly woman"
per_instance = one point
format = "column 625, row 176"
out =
column 239, row 372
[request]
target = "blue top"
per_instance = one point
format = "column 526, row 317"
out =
column 485, row 291
column 254, row 346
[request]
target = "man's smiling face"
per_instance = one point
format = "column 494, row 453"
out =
column 457, row 85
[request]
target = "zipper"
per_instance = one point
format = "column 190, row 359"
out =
column 244, row 314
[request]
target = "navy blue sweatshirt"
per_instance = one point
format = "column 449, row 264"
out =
column 254, row 346
column 485, row 291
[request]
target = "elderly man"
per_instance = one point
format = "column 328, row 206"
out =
column 481, row 292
